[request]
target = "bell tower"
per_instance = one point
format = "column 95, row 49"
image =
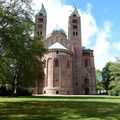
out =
column 74, row 35
column 74, row 27
column 41, row 23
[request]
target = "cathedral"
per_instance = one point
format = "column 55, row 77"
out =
column 69, row 67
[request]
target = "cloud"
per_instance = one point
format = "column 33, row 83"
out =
column 102, row 46
column 57, row 15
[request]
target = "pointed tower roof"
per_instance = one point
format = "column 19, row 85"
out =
column 75, row 12
column 42, row 11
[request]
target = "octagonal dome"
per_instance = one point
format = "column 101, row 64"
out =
column 59, row 30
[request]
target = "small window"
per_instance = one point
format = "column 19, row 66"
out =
column 68, row 92
column 74, row 26
column 76, row 33
column 73, row 33
column 74, row 20
column 56, row 62
column 74, row 15
column 40, row 19
column 87, row 62
column 40, row 32
column 57, row 52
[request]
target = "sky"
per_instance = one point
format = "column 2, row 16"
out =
column 100, row 24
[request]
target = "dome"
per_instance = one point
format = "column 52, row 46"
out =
column 60, row 30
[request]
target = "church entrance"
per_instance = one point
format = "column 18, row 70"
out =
column 87, row 91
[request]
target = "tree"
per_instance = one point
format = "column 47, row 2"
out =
column 106, row 75
column 99, row 83
column 114, row 85
column 20, row 63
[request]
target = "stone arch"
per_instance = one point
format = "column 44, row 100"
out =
column 86, row 81
column 87, row 91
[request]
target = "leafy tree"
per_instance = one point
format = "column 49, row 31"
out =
column 114, row 85
column 20, row 63
column 106, row 75
column 99, row 83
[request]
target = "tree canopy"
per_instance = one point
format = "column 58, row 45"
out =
column 111, row 77
column 115, row 78
column 21, row 53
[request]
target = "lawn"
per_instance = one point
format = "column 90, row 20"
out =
column 60, row 108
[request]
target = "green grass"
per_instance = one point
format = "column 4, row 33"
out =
column 60, row 108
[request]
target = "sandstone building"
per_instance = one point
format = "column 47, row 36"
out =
column 69, row 67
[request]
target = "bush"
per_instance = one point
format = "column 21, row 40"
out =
column 4, row 91
column 114, row 92
column 21, row 91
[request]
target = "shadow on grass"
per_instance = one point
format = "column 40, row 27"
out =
column 78, row 97
column 59, row 110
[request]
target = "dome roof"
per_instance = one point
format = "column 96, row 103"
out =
column 60, row 30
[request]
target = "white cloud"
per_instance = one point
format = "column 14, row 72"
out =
column 57, row 15
column 89, row 27
column 102, row 40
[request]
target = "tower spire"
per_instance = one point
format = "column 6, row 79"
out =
column 42, row 10
column 75, row 11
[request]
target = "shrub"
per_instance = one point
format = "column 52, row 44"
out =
column 21, row 91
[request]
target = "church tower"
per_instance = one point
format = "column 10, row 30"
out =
column 41, row 23
column 74, row 35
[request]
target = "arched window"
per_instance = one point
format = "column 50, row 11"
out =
column 74, row 20
column 86, row 81
column 74, row 15
column 87, row 62
column 56, row 62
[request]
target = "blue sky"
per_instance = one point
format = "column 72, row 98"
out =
column 100, row 24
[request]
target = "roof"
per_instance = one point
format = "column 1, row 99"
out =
column 75, row 12
column 86, row 49
column 42, row 11
column 57, row 45
column 59, row 30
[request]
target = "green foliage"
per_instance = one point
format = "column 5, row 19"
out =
column 22, row 53
column 106, row 75
column 115, row 78
column 21, row 91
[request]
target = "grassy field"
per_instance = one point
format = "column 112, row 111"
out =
column 60, row 108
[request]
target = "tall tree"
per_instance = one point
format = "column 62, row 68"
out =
column 21, row 60
column 114, row 85
column 106, row 75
